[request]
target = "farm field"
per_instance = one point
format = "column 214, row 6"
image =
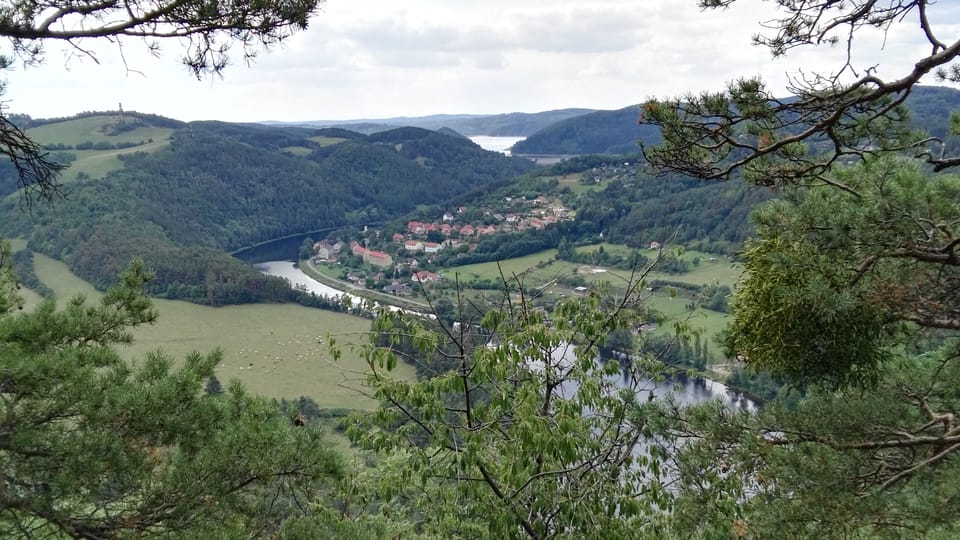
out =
column 78, row 130
column 541, row 270
column 573, row 181
column 541, row 267
column 97, row 163
column 512, row 267
column 273, row 349
column 323, row 140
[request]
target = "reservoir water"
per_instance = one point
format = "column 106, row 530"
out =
column 496, row 144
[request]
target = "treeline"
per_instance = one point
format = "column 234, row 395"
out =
column 712, row 217
column 219, row 187
column 25, row 121
column 99, row 145
column 26, row 273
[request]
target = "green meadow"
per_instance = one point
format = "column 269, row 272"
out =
column 541, row 267
column 323, row 140
column 97, row 163
column 78, row 130
column 276, row 350
column 541, row 270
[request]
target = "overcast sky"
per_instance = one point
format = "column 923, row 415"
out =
column 381, row 58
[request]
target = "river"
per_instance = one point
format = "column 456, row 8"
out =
column 687, row 390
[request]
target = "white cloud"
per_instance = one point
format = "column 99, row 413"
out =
column 370, row 58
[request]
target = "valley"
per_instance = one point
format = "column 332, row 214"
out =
column 275, row 350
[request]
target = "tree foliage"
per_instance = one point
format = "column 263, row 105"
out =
column 830, row 117
column 500, row 438
column 849, row 289
column 94, row 447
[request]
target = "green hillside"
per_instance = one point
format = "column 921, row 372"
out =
column 601, row 132
column 215, row 187
column 92, row 142
column 617, row 132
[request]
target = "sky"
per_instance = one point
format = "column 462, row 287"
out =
column 386, row 58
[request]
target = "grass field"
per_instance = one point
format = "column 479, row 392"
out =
column 97, row 163
column 541, row 269
column 573, row 182
column 273, row 349
column 323, row 140
column 73, row 132
column 297, row 150
column 509, row 267
column 710, row 322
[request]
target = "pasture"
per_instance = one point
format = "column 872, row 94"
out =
column 541, row 270
column 323, row 140
column 509, row 268
column 575, row 182
column 276, row 350
column 97, row 163
column 78, row 130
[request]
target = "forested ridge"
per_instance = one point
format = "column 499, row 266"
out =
column 219, row 187
column 617, row 132
column 498, row 125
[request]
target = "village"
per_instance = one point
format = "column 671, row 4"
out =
column 401, row 261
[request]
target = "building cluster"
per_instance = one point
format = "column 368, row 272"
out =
column 533, row 214
column 452, row 231
column 372, row 257
column 327, row 251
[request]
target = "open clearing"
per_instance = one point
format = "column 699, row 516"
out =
column 273, row 349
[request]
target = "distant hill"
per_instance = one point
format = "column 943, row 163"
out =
column 498, row 125
column 617, row 132
column 90, row 142
column 601, row 132
column 216, row 187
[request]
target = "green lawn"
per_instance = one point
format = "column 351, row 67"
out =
column 273, row 349
column 721, row 270
column 297, row 150
column 710, row 322
column 548, row 268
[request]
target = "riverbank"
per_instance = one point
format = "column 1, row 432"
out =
column 313, row 272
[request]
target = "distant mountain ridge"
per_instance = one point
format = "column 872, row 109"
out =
column 617, row 132
column 514, row 124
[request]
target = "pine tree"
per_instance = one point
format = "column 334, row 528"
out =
column 94, row 447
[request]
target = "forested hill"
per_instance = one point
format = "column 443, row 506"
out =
column 601, row 132
column 617, row 132
column 218, row 187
